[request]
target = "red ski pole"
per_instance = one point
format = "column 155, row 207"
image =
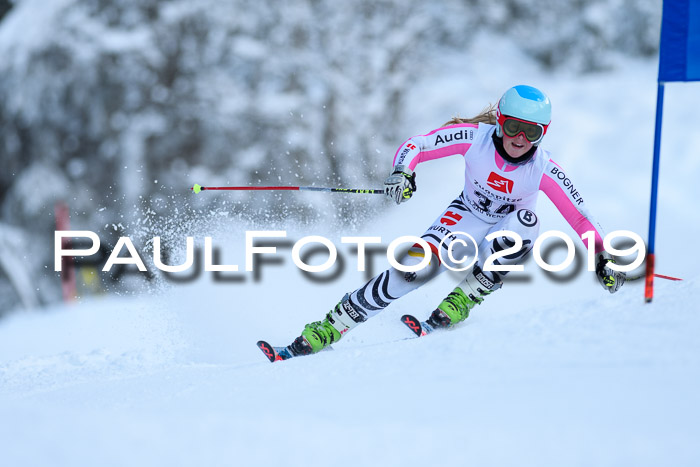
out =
column 197, row 188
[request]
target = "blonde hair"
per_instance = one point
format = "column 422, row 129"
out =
column 487, row 115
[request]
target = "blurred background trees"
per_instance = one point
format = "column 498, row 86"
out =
column 117, row 106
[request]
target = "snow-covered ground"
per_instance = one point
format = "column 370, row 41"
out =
column 178, row 380
column 544, row 373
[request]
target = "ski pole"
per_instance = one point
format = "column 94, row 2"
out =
column 197, row 188
column 660, row 276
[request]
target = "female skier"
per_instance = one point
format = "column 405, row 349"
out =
column 505, row 170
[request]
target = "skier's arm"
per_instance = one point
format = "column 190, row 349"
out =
column 443, row 142
column 559, row 188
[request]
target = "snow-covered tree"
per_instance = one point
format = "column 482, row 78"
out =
column 119, row 106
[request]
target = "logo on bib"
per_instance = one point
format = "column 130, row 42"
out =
column 500, row 183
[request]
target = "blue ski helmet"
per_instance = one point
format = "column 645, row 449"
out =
column 524, row 103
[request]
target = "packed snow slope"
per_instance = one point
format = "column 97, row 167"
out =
column 605, row 381
column 545, row 372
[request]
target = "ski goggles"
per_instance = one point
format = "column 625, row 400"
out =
column 514, row 126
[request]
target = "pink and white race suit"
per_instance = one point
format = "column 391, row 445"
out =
column 492, row 187
column 496, row 196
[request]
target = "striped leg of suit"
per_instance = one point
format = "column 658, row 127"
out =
column 392, row 284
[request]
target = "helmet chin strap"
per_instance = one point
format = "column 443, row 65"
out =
column 524, row 159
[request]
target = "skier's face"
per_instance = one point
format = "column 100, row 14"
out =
column 517, row 145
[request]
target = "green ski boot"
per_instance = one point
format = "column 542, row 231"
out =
column 318, row 335
column 458, row 303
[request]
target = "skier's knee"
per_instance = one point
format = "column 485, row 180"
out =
column 415, row 256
